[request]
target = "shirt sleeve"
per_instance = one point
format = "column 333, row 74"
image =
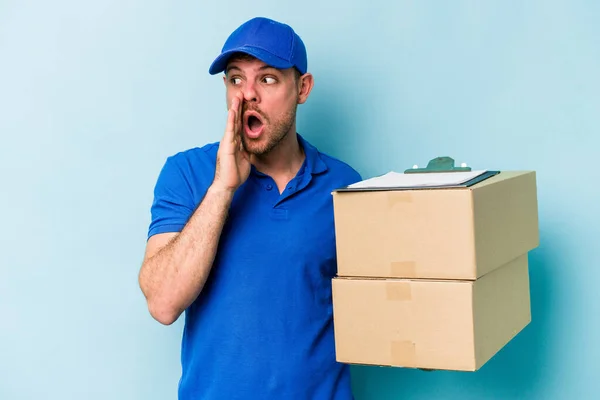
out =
column 354, row 177
column 173, row 202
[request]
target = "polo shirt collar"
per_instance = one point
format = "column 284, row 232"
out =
column 313, row 163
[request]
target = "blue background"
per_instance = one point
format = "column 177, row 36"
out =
column 95, row 95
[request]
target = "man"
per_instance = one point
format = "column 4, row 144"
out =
column 242, row 237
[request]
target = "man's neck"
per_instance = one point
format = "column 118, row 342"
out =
column 284, row 161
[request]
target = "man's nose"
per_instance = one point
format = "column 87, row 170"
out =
column 250, row 93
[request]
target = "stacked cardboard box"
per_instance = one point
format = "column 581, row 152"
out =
column 433, row 278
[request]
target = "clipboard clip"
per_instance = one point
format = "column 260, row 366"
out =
column 439, row 164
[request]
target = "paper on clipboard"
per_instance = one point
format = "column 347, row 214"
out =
column 393, row 180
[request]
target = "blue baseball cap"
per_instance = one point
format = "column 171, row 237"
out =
column 274, row 43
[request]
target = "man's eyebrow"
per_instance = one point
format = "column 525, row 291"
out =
column 267, row 67
column 263, row 68
column 233, row 67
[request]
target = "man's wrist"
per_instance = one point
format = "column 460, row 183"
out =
column 221, row 192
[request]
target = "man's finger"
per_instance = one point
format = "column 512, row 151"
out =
column 239, row 115
column 232, row 117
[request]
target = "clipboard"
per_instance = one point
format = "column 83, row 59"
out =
column 440, row 173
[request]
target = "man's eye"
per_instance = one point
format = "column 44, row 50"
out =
column 236, row 81
column 269, row 80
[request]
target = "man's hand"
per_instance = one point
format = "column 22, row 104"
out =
column 233, row 161
column 176, row 266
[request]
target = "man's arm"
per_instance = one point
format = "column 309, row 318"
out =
column 176, row 265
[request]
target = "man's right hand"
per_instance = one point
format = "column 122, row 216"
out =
column 233, row 161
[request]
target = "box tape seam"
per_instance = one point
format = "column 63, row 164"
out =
column 403, row 269
column 403, row 353
column 398, row 291
column 394, row 197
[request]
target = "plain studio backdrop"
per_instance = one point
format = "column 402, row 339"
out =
column 95, row 95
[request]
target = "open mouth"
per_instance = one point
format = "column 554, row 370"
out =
column 253, row 124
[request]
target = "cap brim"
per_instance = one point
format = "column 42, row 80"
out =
column 221, row 61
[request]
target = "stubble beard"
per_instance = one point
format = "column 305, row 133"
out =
column 274, row 132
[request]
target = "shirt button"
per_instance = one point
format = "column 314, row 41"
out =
column 269, row 187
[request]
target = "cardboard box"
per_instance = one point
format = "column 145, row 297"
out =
column 459, row 233
column 433, row 324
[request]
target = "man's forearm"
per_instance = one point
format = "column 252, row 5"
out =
column 173, row 278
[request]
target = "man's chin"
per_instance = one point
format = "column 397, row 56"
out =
column 264, row 144
column 256, row 147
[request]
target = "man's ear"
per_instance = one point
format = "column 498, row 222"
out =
column 305, row 85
